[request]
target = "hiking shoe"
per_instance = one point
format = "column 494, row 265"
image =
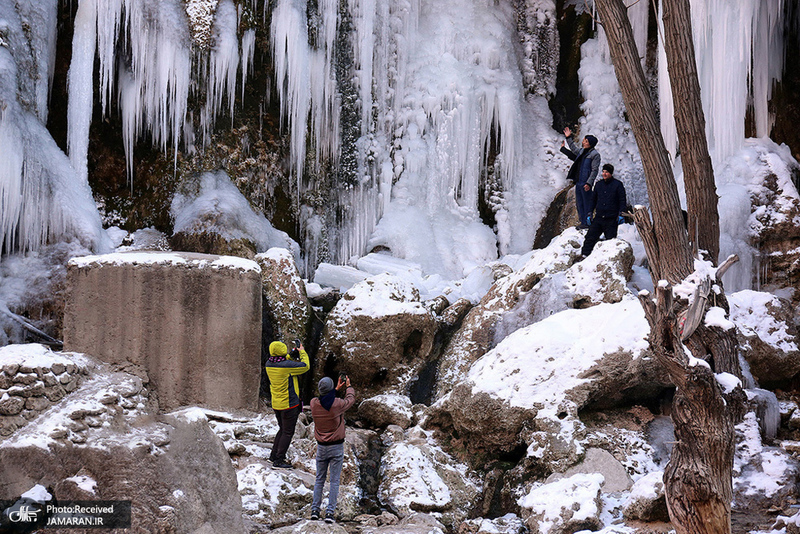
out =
column 282, row 464
column 329, row 518
column 314, row 515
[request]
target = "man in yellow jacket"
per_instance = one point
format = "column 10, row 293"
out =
column 285, row 392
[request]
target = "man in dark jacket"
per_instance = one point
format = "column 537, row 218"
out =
column 608, row 202
column 328, row 413
column 582, row 173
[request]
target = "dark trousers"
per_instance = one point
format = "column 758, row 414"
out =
column 287, row 420
column 600, row 225
column 582, row 200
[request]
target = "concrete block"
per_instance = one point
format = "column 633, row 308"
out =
column 193, row 321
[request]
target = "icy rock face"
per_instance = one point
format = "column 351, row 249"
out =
column 383, row 410
column 474, row 338
column 565, row 506
column 380, row 334
column 176, row 471
column 647, row 501
column 285, row 296
column 418, row 476
column 213, row 217
column 763, row 477
column 768, row 335
column 43, row 198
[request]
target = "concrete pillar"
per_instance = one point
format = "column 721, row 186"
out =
column 192, row 321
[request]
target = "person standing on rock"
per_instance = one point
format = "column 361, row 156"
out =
column 608, row 203
column 328, row 413
column 582, row 173
column 285, row 392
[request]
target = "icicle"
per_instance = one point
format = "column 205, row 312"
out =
column 223, row 61
column 737, row 46
column 80, row 86
column 248, row 49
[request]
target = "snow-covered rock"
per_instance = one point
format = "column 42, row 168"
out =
column 763, row 477
column 549, row 282
column 528, row 389
column 564, row 506
column 103, row 441
column 380, row 334
column 418, row 476
column 285, row 296
column 646, row 500
column 507, row 524
column 211, row 216
column 383, row 410
column 768, row 335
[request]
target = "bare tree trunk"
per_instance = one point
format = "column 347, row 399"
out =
column 698, row 475
column 701, row 191
column 672, row 252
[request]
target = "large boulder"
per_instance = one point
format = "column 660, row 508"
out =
column 527, row 391
column 565, row 506
column 418, row 476
column 192, row 321
column 550, row 281
column 102, row 442
column 284, row 292
column 381, row 411
column 768, row 336
column 380, row 334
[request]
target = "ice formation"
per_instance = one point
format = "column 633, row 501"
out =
column 41, row 197
column 428, row 120
column 738, row 46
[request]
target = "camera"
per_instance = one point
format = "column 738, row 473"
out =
column 343, row 377
column 297, row 343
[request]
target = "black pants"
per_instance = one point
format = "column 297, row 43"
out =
column 287, row 420
column 600, row 225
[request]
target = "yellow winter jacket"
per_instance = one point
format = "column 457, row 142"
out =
column 282, row 373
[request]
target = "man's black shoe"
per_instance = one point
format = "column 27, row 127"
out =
column 314, row 515
column 282, row 464
column 329, row 518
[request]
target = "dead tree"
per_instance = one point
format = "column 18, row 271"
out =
column 698, row 476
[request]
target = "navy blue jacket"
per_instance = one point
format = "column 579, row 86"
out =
column 608, row 198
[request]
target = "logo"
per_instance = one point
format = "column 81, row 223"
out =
column 25, row 514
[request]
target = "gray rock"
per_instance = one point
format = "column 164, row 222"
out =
column 11, row 405
column 616, row 478
column 381, row 411
column 647, row 501
column 193, row 476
